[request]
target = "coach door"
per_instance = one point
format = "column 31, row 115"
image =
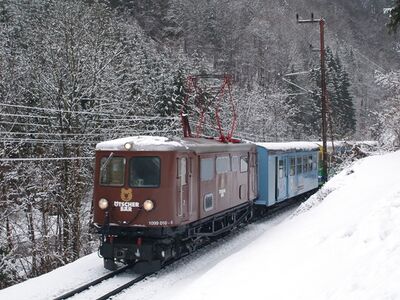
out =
column 292, row 177
column 183, row 187
column 281, row 168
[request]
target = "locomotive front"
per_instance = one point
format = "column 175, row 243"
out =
column 134, row 187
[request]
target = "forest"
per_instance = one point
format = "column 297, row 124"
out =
column 77, row 72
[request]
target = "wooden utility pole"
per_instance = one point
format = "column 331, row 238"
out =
column 324, row 105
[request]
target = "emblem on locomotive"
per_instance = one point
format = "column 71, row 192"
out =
column 126, row 194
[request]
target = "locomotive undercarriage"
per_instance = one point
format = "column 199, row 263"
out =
column 148, row 249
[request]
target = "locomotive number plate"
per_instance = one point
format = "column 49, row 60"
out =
column 161, row 223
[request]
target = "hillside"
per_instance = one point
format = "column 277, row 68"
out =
column 259, row 41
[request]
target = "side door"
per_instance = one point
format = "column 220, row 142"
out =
column 292, row 181
column 253, row 189
column 183, row 199
column 282, row 177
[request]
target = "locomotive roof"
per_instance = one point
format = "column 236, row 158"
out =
column 158, row 143
column 290, row 146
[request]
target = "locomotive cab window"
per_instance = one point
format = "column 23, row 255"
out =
column 244, row 162
column 145, row 171
column 112, row 171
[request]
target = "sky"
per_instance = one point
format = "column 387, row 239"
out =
column 342, row 243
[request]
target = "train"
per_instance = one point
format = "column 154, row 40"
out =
column 156, row 198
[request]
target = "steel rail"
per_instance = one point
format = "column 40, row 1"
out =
column 92, row 283
column 124, row 286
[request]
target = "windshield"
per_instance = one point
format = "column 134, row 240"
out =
column 112, row 171
column 144, row 172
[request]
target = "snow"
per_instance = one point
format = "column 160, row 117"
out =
column 139, row 143
column 289, row 145
column 343, row 243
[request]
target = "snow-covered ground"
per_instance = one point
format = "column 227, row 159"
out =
column 343, row 243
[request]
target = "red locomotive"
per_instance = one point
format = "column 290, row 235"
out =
column 155, row 197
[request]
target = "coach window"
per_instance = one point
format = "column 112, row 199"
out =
column 206, row 169
column 281, row 170
column 244, row 162
column 305, row 165
column 310, row 163
column 314, row 162
column 223, row 164
column 299, row 165
column 145, row 171
column 292, row 166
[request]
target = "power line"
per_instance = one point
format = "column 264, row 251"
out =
column 43, row 159
column 26, row 124
column 27, row 116
column 125, row 133
column 366, row 59
column 46, row 141
column 37, row 125
column 81, row 142
column 83, row 112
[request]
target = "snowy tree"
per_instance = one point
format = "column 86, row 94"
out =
column 340, row 99
column 387, row 127
column 264, row 113
column 74, row 73
column 394, row 14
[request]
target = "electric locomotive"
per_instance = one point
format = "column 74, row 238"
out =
column 156, row 197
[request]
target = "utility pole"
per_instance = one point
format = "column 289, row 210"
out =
column 324, row 105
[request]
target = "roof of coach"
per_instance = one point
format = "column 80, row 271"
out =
column 290, row 146
column 158, row 143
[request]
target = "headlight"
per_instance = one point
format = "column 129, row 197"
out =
column 103, row 203
column 148, row 205
column 128, row 146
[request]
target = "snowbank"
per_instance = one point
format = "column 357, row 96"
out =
column 346, row 247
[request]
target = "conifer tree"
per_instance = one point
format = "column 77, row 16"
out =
column 339, row 97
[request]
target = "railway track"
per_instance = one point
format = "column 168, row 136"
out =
column 115, row 291
column 101, row 279
column 123, row 287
